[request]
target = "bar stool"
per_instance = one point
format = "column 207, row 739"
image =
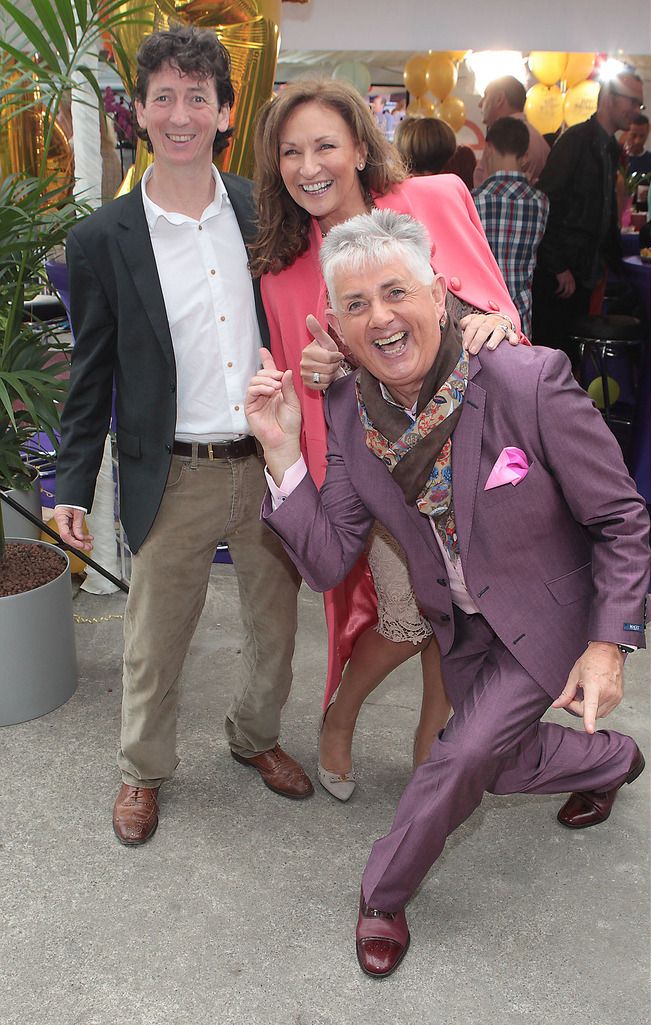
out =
column 605, row 337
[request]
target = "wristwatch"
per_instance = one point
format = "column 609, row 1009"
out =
column 626, row 649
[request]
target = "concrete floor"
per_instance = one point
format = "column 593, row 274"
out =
column 241, row 910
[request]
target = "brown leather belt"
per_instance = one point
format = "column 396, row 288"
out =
column 217, row 449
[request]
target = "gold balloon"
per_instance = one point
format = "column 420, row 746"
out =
column 457, row 55
column 579, row 66
column 415, row 74
column 441, row 75
column 453, row 111
column 250, row 31
column 580, row 102
column 544, row 107
column 22, row 143
column 419, row 107
column 548, row 67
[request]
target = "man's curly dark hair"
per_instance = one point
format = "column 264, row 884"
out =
column 193, row 51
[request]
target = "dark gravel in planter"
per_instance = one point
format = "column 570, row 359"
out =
column 26, row 566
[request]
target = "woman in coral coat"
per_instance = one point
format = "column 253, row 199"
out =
column 320, row 159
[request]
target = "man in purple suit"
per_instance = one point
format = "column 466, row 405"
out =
column 526, row 541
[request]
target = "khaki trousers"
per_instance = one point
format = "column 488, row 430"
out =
column 205, row 501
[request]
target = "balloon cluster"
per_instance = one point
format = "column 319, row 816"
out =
column 563, row 92
column 430, row 78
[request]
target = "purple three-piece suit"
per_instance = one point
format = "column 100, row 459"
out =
column 559, row 559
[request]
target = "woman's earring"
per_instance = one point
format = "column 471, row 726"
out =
column 361, row 165
column 443, row 321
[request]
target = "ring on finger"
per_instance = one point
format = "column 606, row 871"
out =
column 316, row 377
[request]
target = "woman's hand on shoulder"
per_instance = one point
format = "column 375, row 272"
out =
column 489, row 329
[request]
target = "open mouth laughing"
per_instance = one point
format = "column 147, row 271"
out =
column 393, row 345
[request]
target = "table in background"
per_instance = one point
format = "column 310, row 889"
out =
column 630, row 243
column 639, row 274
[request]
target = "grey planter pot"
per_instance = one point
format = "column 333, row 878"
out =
column 19, row 526
column 38, row 668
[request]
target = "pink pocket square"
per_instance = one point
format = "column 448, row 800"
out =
column 510, row 467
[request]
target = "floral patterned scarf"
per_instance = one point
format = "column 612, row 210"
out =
column 418, row 453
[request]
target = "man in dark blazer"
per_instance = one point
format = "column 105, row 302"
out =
column 526, row 542
column 581, row 240
column 163, row 305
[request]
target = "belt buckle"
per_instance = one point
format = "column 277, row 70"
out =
column 210, row 452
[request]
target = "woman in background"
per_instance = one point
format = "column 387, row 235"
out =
column 429, row 146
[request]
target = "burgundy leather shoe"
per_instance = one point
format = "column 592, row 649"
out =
column 135, row 814
column 382, row 940
column 280, row 772
column 589, row 807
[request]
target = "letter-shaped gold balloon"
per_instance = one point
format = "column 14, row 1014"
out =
column 250, row 31
column 22, row 141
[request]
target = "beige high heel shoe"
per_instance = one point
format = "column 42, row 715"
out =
column 340, row 785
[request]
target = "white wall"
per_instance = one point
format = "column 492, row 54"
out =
column 417, row 25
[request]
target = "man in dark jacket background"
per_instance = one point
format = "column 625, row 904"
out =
column 582, row 238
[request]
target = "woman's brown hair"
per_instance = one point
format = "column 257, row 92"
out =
column 425, row 144
column 283, row 226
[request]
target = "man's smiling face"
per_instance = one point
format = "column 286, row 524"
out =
column 389, row 320
column 181, row 116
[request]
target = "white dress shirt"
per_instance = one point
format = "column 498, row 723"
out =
column 210, row 306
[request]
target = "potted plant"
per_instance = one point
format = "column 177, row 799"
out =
column 36, row 213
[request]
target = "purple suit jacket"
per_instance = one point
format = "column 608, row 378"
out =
column 558, row 560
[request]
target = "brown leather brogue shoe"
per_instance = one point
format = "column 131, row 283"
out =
column 590, row 807
column 280, row 772
column 135, row 814
column 382, row 940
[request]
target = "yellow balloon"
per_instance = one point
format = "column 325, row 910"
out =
column 441, row 75
column 579, row 66
column 580, row 102
column 457, row 55
column 430, row 105
column 548, row 67
column 415, row 74
column 420, row 107
column 596, row 392
column 544, row 107
column 453, row 111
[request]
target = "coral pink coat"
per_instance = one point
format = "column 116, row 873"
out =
column 461, row 253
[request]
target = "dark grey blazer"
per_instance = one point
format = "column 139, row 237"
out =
column 122, row 334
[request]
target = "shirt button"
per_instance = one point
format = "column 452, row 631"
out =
column 442, row 581
column 492, row 305
column 222, row 318
column 200, row 227
column 168, row 448
column 236, row 408
column 172, row 386
column 229, row 364
column 445, row 618
column 455, row 284
column 213, row 271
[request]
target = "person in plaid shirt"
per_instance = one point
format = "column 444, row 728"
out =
column 513, row 213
